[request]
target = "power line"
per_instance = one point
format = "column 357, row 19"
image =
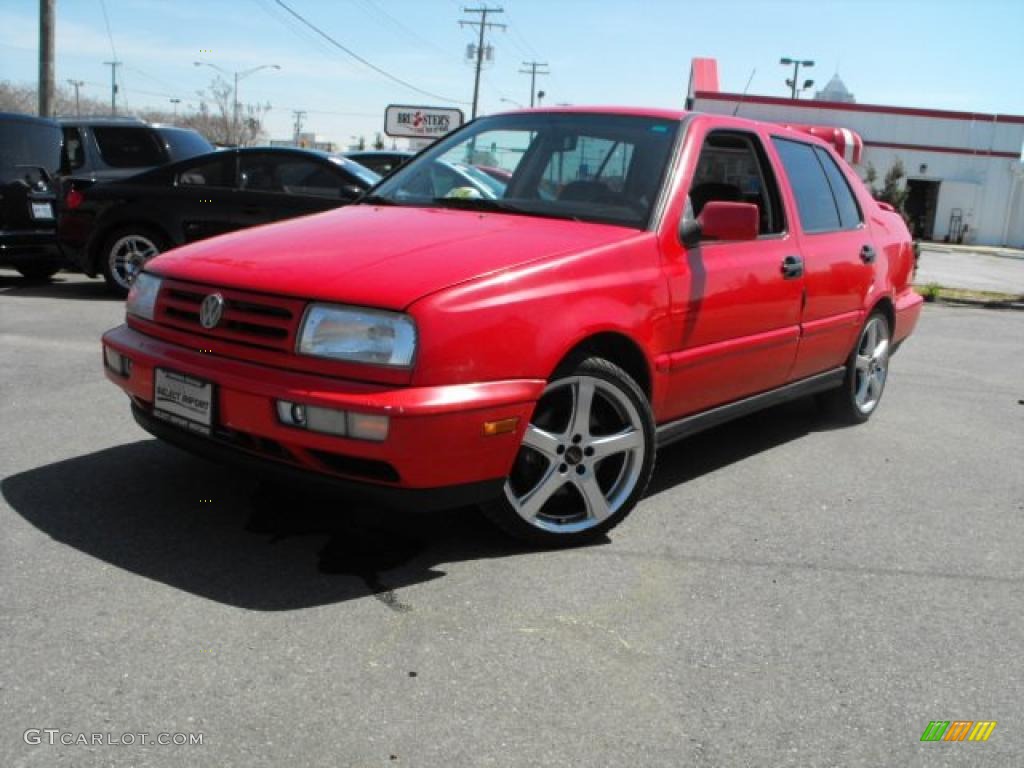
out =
column 483, row 25
column 359, row 58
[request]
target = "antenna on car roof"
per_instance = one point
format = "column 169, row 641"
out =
column 749, row 81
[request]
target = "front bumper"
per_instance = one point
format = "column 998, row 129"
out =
column 435, row 454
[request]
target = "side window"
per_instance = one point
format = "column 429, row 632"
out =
column 733, row 167
column 307, row 178
column 813, row 194
column 129, row 146
column 217, row 171
column 849, row 212
column 73, row 153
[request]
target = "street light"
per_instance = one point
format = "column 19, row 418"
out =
column 513, row 102
column 796, row 64
column 237, row 76
column 175, row 102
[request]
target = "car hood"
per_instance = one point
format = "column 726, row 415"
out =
column 385, row 256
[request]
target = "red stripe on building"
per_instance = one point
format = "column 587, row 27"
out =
column 946, row 150
column 852, row 107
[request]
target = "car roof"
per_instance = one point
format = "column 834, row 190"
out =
column 100, row 120
column 18, row 117
column 655, row 112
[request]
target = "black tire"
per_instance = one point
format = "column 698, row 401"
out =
column 117, row 279
column 846, row 404
column 38, row 272
column 582, row 494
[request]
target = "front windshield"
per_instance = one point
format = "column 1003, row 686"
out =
column 593, row 167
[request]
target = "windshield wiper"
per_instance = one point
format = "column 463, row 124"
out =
column 374, row 200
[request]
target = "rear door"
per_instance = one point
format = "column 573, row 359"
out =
column 837, row 251
column 29, row 159
column 202, row 197
column 740, row 312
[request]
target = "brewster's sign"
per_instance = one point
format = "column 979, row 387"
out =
column 402, row 121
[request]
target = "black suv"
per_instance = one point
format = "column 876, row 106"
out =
column 105, row 148
column 30, row 152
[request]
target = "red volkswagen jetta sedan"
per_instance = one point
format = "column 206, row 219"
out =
column 527, row 343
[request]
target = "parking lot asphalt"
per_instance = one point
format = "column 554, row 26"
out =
column 789, row 593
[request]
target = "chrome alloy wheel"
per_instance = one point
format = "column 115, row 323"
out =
column 871, row 365
column 128, row 255
column 581, row 458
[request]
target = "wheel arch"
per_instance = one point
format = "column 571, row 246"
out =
column 615, row 347
column 886, row 306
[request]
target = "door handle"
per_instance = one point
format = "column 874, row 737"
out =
column 792, row 266
column 867, row 254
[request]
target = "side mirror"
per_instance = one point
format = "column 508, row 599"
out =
column 720, row 220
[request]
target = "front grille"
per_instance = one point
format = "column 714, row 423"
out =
column 248, row 318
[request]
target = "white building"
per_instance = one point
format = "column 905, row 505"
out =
column 964, row 169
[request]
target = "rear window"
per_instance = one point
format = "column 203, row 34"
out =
column 184, row 143
column 849, row 211
column 129, row 146
column 28, row 143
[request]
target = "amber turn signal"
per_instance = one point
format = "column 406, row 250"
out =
column 500, row 427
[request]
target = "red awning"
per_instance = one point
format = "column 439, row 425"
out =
column 847, row 143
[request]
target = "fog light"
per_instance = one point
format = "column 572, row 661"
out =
column 331, row 421
column 326, row 420
column 117, row 362
column 366, row 426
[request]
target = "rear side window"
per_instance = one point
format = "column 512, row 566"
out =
column 215, row 171
column 814, row 200
column 73, row 156
column 129, row 146
column 849, row 212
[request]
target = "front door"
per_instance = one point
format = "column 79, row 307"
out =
column 739, row 312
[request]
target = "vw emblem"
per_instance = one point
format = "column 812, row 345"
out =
column 210, row 310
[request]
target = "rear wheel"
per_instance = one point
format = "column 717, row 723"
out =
column 125, row 253
column 585, row 461
column 866, row 371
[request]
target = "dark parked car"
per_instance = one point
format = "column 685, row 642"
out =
column 113, row 229
column 29, row 159
column 105, row 148
column 382, row 161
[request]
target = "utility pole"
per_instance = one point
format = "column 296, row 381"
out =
column 113, row 84
column 533, row 71
column 299, row 115
column 76, row 84
column 483, row 26
column 47, row 87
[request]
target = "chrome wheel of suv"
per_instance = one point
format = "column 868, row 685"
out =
column 585, row 459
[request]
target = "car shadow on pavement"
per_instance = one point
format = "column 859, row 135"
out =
column 61, row 286
column 163, row 514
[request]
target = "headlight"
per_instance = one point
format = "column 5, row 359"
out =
column 358, row 335
column 142, row 296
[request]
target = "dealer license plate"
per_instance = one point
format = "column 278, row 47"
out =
column 42, row 210
column 183, row 400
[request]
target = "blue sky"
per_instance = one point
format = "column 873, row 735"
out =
column 935, row 53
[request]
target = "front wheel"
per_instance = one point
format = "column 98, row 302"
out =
column 125, row 253
column 867, row 368
column 585, row 460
